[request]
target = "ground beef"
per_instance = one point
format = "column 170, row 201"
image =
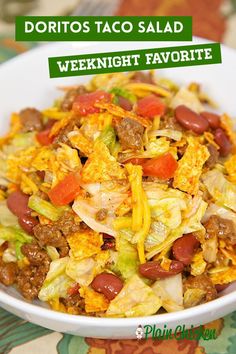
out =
column 214, row 156
column 55, row 234
column 139, row 76
column 169, row 122
column 67, row 102
column 35, row 255
column 50, row 235
column 67, row 225
column 223, row 228
column 74, row 302
column 202, row 282
column 8, row 272
column 101, row 214
column 130, row 134
column 30, row 280
column 31, row 119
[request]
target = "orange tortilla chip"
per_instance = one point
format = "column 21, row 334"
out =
column 224, row 277
column 190, row 167
column 101, row 166
column 94, row 301
column 85, row 244
column 120, row 112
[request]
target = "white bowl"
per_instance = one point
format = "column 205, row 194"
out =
column 25, row 82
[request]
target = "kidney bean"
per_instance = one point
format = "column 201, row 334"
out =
column 124, row 103
column 221, row 287
column 153, row 270
column 108, row 284
column 17, row 202
column 212, row 118
column 27, row 223
column 223, row 141
column 191, row 120
column 184, row 248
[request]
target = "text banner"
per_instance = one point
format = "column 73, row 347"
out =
column 145, row 59
column 103, row 28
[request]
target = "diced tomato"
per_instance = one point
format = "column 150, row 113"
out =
column 44, row 138
column 73, row 290
column 84, row 104
column 136, row 161
column 66, row 190
column 162, row 167
column 150, row 106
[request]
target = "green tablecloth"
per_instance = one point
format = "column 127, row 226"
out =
column 20, row 337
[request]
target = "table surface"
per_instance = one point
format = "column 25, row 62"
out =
column 213, row 19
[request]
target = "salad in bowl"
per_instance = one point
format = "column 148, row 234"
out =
column 119, row 200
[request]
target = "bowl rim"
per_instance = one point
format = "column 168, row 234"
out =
column 163, row 318
column 33, row 309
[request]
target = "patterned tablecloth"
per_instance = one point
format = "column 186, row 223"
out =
column 213, row 19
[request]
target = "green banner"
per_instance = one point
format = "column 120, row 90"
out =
column 103, row 28
column 145, row 59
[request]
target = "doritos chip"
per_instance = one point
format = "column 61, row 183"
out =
column 101, row 166
column 190, row 167
column 224, row 277
column 85, row 243
column 230, row 166
column 94, row 301
column 120, row 112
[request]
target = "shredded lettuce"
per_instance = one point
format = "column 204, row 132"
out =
column 118, row 91
column 174, row 235
column 168, row 211
column 10, row 233
column 156, row 147
column 108, row 195
column 127, row 261
column 87, row 213
column 18, row 252
column 168, row 133
column 193, row 223
column 19, row 142
column 188, row 98
column 223, row 191
column 9, row 255
column 57, row 281
column 45, row 208
column 16, row 237
column 52, row 252
column 166, row 205
column 6, row 216
column 81, row 271
column 171, row 292
column 135, row 299
column 158, row 233
column 108, row 137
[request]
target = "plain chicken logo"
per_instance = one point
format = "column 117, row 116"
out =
column 139, row 332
